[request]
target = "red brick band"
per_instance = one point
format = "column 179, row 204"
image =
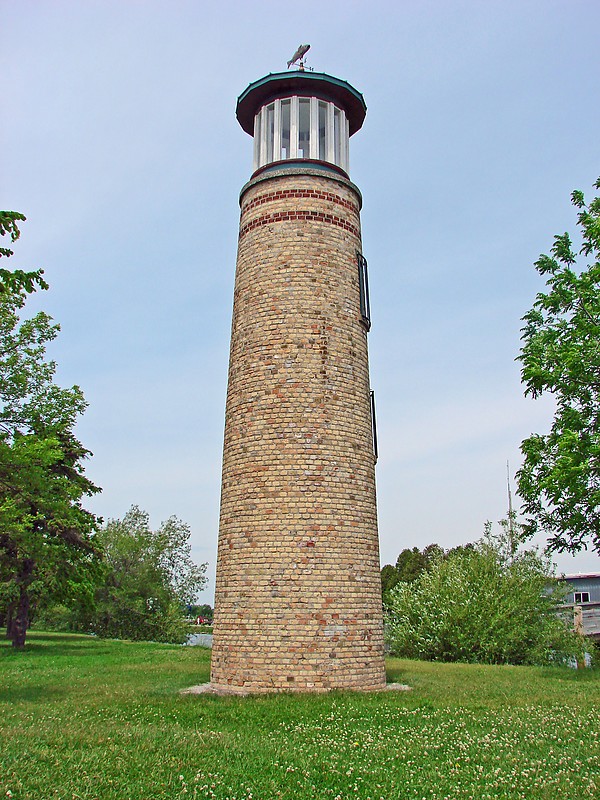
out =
column 310, row 216
column 312, row 194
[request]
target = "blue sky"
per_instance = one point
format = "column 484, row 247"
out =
column 120, row 145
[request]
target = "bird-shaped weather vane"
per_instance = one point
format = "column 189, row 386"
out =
column 299, row 57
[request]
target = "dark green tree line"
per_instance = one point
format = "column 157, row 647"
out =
column 411, row 563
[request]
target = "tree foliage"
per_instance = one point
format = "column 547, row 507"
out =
column 15, row 281
column 46, row 536
column 204, row 610
column 486, row 603
column 149, row 580
column 559, row 482
column 410, row 564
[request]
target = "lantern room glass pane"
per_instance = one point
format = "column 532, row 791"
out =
column 257, row 139
column 304, row 127
column 322, row 130
column 270, row 131
column 337, row 136
column 285, row 128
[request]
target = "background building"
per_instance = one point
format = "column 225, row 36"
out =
column 585, row 595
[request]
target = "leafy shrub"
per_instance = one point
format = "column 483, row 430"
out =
column 115, row 620
column 57, row 618
column 488, row 604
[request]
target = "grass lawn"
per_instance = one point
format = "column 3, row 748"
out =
column 84, row 719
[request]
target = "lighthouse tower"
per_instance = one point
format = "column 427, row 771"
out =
column 298, row 592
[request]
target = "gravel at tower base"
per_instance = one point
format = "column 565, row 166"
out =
column 298, row 591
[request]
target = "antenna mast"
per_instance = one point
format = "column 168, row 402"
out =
column 511, row 516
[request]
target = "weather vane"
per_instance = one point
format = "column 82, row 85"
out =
column 299, row 56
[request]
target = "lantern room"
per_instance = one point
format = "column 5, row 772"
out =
column 299, row 117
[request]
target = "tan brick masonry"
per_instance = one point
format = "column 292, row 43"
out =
column 298, row 594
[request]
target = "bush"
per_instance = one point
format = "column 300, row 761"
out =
column 487, row 605
column 57, row 618
column 116, row 621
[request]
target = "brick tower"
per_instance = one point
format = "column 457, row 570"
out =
column 298, row 592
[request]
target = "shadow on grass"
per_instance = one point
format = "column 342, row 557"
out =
column 66, row 650
column 32, row 694
column 62, row 646
column 394, row 673
column 569, row 674
column 74, row 640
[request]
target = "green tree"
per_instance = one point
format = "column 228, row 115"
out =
column 16, row 281
column 46, row 536
column 484, row 603
column 203, row 610
column 559, row 482
column 149, row 580
column 47, row 551
column 410, row 564
column 389, row 578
